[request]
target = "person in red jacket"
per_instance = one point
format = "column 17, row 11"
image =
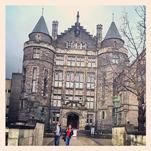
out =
column 69, row 133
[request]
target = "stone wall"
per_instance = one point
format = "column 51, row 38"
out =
column 26, row 136
column 125, row 135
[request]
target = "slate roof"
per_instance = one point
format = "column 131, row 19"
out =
column 41, row 27
column 113, row 32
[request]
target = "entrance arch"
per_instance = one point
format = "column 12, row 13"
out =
column 73, row 119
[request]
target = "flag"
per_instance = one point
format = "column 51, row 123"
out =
column 73, row 80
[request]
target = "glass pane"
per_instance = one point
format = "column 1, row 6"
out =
column 34, row 73
column 77, row 85
column 82, row 63
column 57, row 62
column 90, row 120
column 81, row 77
column 93, row 64
column 60, row 84
column 81, row 85
column 55, row 97
column 72, row 76
column 56, row 76
column 89, row 64
column 73, row 63
column 56, row 83
column 67, row 84
column 59, row 97
column 59, row 103
column 91, row 105
column 77, row 77
column 78, row 63
column 60, row 75
column 68, row 77
column 34, row 84
column 69, row 63
column 88, row 85
column 53, row 118
column 71, row 85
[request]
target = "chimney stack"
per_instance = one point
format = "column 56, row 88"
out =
column 99, row 34
column 54, row 30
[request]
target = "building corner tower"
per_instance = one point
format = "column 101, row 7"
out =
column 112, row 59
column 38, row 64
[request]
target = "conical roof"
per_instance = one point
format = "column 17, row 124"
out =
column 41, row 27
column 113, row 32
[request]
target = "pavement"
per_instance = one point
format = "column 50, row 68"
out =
column 80, row 141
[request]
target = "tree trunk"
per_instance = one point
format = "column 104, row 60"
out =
column 141, row 119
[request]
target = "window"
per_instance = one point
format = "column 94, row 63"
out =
column 55, row 117
column 113, row 112
column 89, row 119
column 34, row 80
column 59, row 60
column 103, row 86
column 78, row 46
column 70, row 76
column 78, row 98
column 67, row 44
column 9, row 91
column 90, row 103
column 71, row 61
column 45, row 82
column 75, row 45
column 72, row 45
column 58, row 79
column 57, row 100
column 36, row 53
column 81, row 45
column 24, row 79
column 103, row 115
column 79, row 80
column 91, row 62
column 115, row 59
column 31, row 107
column 90, row 80
column 80, row 61
column 68, row 98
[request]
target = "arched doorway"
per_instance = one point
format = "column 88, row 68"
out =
column 73, row 119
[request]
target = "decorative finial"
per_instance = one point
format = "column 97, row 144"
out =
column 78, row 16
column 113, row 17
column 42, row 10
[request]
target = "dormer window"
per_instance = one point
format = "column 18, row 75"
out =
column 67, row 44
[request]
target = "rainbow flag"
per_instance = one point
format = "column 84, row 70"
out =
column 73, row 80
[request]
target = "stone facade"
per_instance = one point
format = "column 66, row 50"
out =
column 73, row 54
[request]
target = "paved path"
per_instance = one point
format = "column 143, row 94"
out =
column 81, row 141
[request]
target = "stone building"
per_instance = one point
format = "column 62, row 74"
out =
column 7, row 97
column 51, row 62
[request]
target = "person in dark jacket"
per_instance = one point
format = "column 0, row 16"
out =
column 57, row 132
column 67, row 134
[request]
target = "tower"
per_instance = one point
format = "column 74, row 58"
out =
column 37, row 74
column 112, row 59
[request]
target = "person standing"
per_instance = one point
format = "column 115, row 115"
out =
column 57, row 134
column 69, row 133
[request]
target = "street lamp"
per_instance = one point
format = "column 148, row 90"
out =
column 116, row 104
column 62, row 102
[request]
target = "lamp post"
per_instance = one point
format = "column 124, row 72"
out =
column 116, row 104
column 62, row 102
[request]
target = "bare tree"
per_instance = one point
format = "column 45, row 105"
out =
column 133, row 77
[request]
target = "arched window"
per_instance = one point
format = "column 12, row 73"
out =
column 86, row 46
column 115, row 44
column 34, row 80
column 45, row 82
column 103, row 115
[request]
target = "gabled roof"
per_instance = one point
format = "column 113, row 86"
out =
column 41, row 27
column 73, row 27
column 113, row 32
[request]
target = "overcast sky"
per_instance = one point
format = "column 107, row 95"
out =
column 21, row 20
